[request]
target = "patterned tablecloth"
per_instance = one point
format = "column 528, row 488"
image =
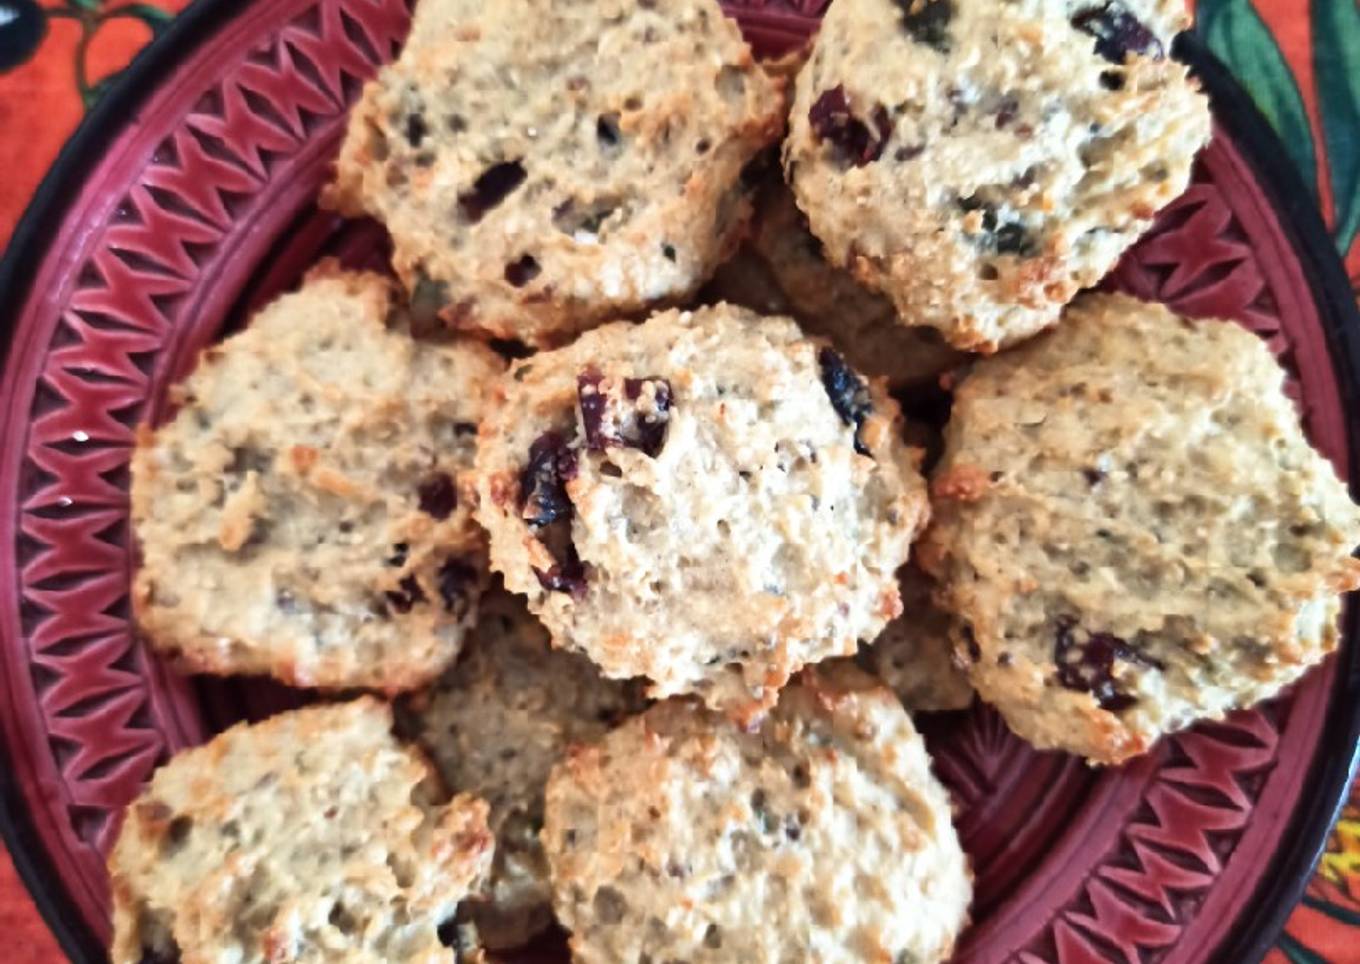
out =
column 1300, row 62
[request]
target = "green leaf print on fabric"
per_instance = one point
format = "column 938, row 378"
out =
column 1336, row 65
column 1234, row 31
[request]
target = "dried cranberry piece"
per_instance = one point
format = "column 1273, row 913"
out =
column 1088, row 667
column 438, row 495
column 1118, row 33
column 494, row 186
column 832, row 120
column 406, row 595
column 648, row 431
column 567, row 575
column 594, row 407
column 455, row 579
column 847, row 391
column 545, row 506
column 649, row 434
column 928, row 21
column 542, row 486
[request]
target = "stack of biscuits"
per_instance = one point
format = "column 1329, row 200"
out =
column 599, row 532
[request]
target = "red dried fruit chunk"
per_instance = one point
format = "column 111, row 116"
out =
column 847, row 391
column 568, row 576
column 832, row 120
column 546, row 507
column 438, row 495
column 645, row 431
column 1088, row 666
column 594, row 407
column 649, row 430
column 542, row 487
column 1118, row 33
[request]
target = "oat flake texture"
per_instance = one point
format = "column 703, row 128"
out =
column 980, row 162
column 821, row 835
column 1132, row 530
column 543, row 167
column 311, row 837
column 301, row 513
column 709, row 500
column 494, row 725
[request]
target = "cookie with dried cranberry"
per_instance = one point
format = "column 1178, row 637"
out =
column 980, row 162
column 544, row 167
column 494, row 725
column 301, row 514
column 914, row 655
column 819, row 835
column 828, row 301
column 1132, row 529
column 313, row 836
column 708, row 499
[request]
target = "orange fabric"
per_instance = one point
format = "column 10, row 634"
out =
column 40, row 102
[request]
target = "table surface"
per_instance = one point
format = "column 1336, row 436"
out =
column 1300, row 62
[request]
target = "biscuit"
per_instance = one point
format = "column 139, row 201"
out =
column 1132, row 530
column 494, row 725
column 543, row 167
column 828, row 301
column 914, row 655
column 708, row 500
column 300, row 515
column 980, row 162
column 821, row 835
column 310, row 837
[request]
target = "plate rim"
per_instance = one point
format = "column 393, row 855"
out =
column 1337, row 753
column 26, row 248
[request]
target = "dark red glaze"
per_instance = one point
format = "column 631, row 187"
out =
column 202, row 207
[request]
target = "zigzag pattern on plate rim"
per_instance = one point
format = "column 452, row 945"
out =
column 118, row 339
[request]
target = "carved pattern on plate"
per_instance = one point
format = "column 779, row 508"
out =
column 263, row 120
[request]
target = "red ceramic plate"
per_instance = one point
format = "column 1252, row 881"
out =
column 188, row 198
